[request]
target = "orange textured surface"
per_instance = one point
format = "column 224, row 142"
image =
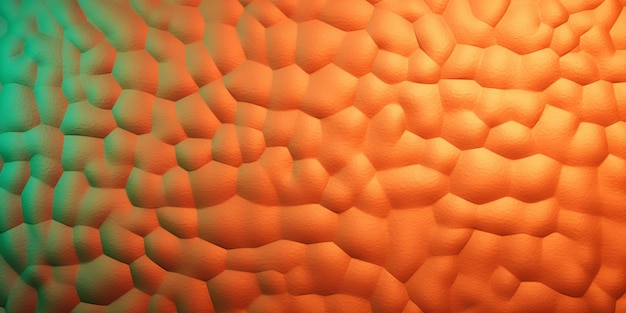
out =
column 313, row 156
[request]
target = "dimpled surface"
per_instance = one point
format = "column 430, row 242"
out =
column 313, row 156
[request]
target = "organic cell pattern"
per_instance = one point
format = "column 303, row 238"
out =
column 313, row 156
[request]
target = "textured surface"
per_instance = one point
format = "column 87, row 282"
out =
column 309, row 156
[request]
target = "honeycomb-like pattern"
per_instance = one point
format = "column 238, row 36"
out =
column 313, row 156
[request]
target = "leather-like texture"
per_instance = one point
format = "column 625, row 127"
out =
column 313, row 156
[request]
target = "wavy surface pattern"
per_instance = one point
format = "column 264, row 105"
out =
column 312, row 156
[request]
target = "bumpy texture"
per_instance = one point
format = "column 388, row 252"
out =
column 312, row 155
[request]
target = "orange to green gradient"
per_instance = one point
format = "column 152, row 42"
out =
column 312, row 156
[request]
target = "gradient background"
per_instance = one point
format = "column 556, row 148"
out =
column 312, row 156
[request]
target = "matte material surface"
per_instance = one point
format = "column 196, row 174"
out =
column 312, row 156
